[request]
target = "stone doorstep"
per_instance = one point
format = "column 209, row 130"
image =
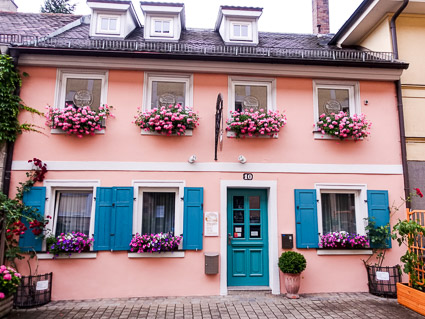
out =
column 247, row 290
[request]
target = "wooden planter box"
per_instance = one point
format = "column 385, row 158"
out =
column 411, row 298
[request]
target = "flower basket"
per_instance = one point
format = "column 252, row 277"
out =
column 167, row 120
column 343, row 240
column 343, row 126
column 250, row 123
column 150, row 243
column 382, row 281
column 68, row 243
column 34, row 291
column 80, row 121
column 9, row 283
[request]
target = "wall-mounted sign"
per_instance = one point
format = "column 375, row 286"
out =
column 248, row 176
column 211, row 224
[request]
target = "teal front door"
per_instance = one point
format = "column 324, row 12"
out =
column 247, row 238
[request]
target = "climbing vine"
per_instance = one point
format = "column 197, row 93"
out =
column 10, row 102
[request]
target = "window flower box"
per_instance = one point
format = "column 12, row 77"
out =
column 249, row 123
column 171, row 120
column 74, row 242
column 80, row 121
column 343, row 126
column 150, row 243
column 343, row 240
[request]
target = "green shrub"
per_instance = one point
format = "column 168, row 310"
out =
column 291, row 262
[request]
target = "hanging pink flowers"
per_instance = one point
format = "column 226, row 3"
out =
column 80, row 121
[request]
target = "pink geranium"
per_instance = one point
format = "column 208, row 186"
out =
column 343, row 126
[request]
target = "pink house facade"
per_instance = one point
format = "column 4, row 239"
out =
column 299, row 183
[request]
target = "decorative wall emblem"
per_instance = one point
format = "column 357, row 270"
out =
column 167, row 99
column 83, row 98
column 332, row 106
column 251, row 102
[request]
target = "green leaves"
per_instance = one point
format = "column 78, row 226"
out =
column 58, row 6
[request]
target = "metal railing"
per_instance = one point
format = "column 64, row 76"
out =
column 194, row 49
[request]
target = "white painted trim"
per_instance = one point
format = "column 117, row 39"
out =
column 271, row 187
column 233, row 37
column 360, row 202
column 166, row 77
column 58, row 131
column 238, row 68
column 188, row 132
column 42, row 256
column 153, row 33
column 52, row 186
column 320, row 136
column 167, row 254
column 63, row 74
column 232, row 134
column 101, row 16
column 334, row 252
column 160, row 185
column 269, row 83
column 307, row 168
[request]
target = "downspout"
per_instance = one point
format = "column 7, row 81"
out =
column 400, row 105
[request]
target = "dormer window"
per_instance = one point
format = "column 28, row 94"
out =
column 241, row 31
column 108, row 24
column 162, row 27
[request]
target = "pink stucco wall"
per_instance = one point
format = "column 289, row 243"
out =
column 113, row 274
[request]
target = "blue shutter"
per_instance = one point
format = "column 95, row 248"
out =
column 36, row 198
column 378, row 209
column 193, row 218
column 122, row 218
column 306, row 218
column 102, row 227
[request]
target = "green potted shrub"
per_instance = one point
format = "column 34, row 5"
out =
column 292, row 264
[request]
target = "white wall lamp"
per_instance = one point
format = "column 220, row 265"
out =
column 192, row 159
column 242, row 159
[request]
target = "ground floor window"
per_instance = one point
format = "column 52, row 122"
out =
column 159, row 212
column 338, row 212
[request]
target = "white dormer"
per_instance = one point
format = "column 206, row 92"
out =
column 163, row 21
column 238, row 25
column 112, row 18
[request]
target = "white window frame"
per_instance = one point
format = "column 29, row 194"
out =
column 99, row 30
column 234, row 37
column 52, row 187
column 270, row 83
column 157, row 77
column 360, row 200
column 153, row 33
column 64, row 74
column 158, row 186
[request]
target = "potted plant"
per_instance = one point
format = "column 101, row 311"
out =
column 167, row 120
column 292, row 264
column 9, row 282
column 80, row 121
column 258, row 123
column 68, row 243
column 151, row 243
column 412, row 235
column 343, row 126
column 343, row 240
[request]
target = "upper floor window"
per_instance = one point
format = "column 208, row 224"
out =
column 162, row 27
column 109, row 24
column 251, row 95
column 166, row 90
column 81, row 88
column 241, row 31
column 334, row 97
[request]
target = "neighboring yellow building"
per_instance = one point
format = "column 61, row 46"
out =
column 370, row 27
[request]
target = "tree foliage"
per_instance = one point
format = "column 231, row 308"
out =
column 58, row 6
column 10, row 102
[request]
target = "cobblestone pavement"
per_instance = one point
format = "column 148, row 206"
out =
column 243, row 306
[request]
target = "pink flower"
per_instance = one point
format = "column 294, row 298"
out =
column 7, row 277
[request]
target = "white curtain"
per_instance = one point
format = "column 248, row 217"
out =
column 338, row 213
column 74, row 210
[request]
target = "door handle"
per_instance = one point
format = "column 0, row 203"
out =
column 229, row 238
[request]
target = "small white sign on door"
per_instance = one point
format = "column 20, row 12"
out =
column 42, row 285
column 382, row 275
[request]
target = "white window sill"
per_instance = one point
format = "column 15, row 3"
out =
column 333, row 252
column 320, row 136
column 232, row 134
column 60, row 131
column 64, row 256
column 167, row 254
column 186, row 133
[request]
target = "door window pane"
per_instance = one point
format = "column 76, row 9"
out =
column 168, row 93
column 333, row 100
column 238, row 202
column 83, row 92
column 249, row 97
column 254, row 202
column 338, row 213
column 254, row 216
column 158, row 212
column 73, row 211
column 238, row 231
column 255, row 231
column 238, row 216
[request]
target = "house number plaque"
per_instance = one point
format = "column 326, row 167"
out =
column 248, row 176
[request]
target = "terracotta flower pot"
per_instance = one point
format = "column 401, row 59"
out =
column 292, row 285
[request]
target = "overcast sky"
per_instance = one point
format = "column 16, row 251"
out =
column 288, row 16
